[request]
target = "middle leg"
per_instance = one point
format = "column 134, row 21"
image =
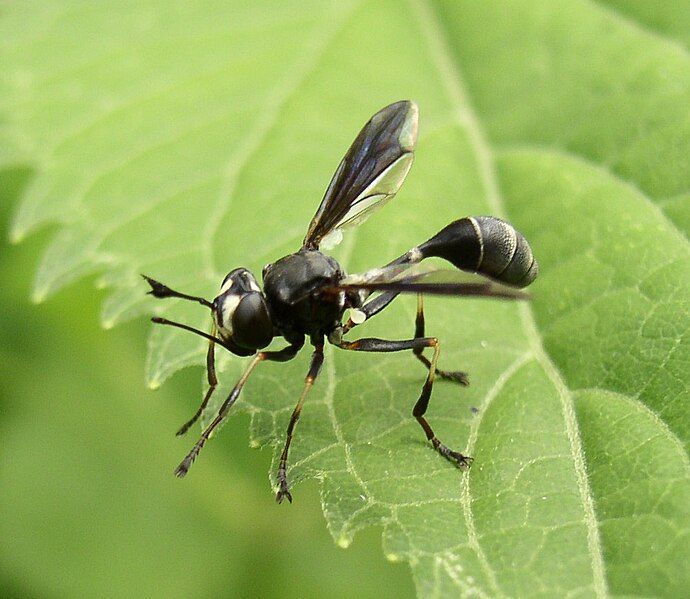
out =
column 314, row 369
column 374, row 306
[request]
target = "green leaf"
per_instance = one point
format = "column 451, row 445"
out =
column 185, row 141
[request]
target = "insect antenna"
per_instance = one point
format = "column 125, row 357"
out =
column 162, row 291
column 179, row 325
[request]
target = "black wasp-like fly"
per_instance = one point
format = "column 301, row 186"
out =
column 307, row 293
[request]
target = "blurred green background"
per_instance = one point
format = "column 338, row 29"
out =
column 89, row 504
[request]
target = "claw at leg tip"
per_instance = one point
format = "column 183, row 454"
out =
column 282, row 494
column 182, row 430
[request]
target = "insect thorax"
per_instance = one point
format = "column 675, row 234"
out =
column 291, row 286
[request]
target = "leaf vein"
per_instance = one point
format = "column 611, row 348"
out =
column 455, row 87
column 628, row 21
column 278, row 98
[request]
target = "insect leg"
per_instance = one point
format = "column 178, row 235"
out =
column 420, row 409
column 282, row 355
column 457, row 376
column 383, row 345
column 162, row 291
column 212, row 382
column 380, row 302
column 316, row 362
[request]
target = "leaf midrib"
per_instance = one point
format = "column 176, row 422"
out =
column 451, row 76
column 654, row 204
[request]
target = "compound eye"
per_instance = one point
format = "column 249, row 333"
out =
column 251, row 322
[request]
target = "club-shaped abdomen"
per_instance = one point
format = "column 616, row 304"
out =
column 486, row 245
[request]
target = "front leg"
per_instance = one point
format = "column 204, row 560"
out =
column 212, row 383
column 283, row 355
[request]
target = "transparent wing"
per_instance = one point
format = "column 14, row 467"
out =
column 370, row 174
column 401, row 278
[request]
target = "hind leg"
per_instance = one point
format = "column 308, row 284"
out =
column 372, row 344
column 457, row 375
